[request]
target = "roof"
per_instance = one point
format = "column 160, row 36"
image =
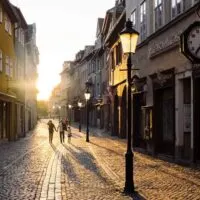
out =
column 10, row 10
column 20, row 17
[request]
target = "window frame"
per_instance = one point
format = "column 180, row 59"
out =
column 158, row 4
column 133, row 17
column 176, row 8
column 143, row 20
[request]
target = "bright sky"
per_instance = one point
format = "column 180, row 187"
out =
column 63, row 28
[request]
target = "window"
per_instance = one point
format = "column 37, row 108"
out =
column 133, row 17
column 118, row 54
column 1, row 61
column 7, row 66
column 158, row 13
column 1, row 15
column 6, row 23
column 16, row 30
column 177, row 7
column 9, row 27
column 143, row 21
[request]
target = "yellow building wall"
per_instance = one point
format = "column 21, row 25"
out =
column 7, row 47
column 120, row 73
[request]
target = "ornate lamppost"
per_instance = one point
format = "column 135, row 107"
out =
column 129, row 37
column 87, row 97
column 79, row 105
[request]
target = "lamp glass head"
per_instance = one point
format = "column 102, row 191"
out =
column 79, row 104
column 129, row 38
column 87, row 95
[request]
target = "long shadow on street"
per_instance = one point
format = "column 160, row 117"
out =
column 85, row 159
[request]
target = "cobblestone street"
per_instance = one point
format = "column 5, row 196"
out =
column 32, row 169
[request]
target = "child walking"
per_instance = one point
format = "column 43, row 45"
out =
column 69, row 134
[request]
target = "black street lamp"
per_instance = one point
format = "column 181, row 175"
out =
column 87, row 97
column 79, row 105
column 70, row 108
column 129, row 37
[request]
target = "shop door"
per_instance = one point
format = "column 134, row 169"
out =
column 164, row 104
column 116, row 117
column 123, row 115
column 197, row 120
column 138, row 121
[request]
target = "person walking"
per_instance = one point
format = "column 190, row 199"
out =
column 51, row 128
column 61, row 128
column 69, row 134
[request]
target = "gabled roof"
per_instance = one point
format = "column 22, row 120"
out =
column 9, row 10
column 20, row 17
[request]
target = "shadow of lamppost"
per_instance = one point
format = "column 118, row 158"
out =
column 129, row 37
column 80, row 106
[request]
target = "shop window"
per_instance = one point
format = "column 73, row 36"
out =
column 147, row 111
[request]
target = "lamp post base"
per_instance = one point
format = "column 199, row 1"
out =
column 129, row 184
column 79, row 127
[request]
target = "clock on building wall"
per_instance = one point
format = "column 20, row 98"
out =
column 190, row 42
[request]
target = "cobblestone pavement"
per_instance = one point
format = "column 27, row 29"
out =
column 32, row 169
column 154, row 178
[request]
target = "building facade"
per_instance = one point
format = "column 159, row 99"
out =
column 8, row 97
column 164, row 120
column 13, row 63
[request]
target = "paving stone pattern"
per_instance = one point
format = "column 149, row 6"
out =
column 32, row 169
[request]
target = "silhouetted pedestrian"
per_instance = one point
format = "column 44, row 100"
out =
column 61, row 128
column 51, row 128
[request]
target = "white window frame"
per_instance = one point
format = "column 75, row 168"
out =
column 1, row 60
column 1, row 14
column 133, row 17
column 174, row 5
column 158, row 4
column 143, row 20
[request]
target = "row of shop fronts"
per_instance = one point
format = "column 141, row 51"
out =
column 11, row 119
column 170, row 124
